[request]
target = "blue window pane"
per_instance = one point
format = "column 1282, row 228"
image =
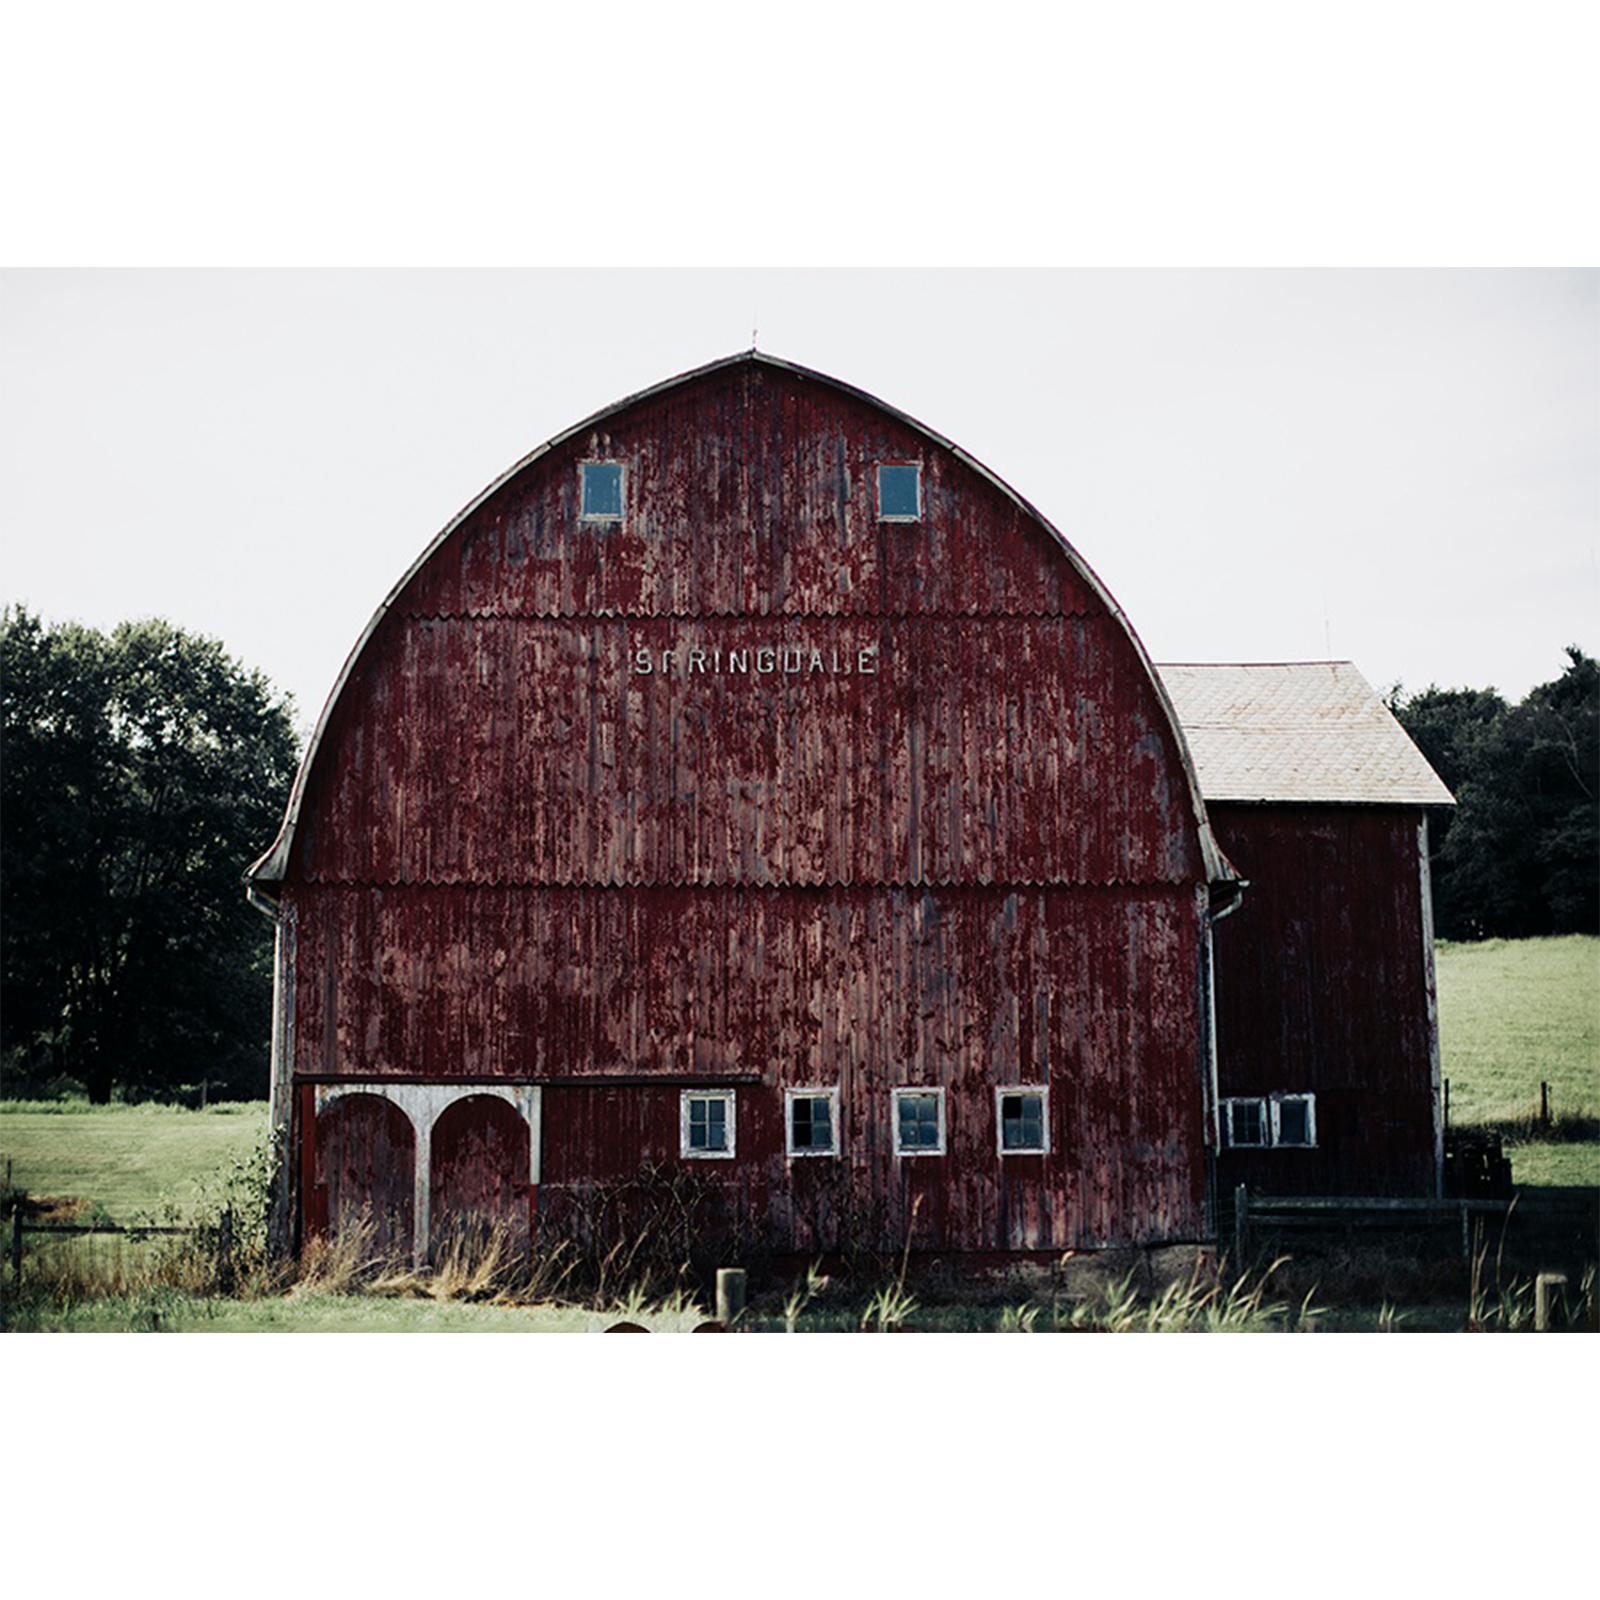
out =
column 708, row 1123
column 919, row 1122
column 900, row 491
column 1245, row 1123
column 1292, row 1122
column 1021, row 1121
column 805, row 1124
column 602, row 488
column 821, row 1126
column 813, row 1124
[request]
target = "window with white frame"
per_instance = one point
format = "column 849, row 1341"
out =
column 600, row 491
column 1023, row 1118
column 918, row 1122
column 1270, row 1122
column 899, row 491
column 1294, row 1121
column 1244, row 1123
column 811, row 1118
column 706, row 1123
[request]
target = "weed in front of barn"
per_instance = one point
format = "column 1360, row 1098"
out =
column 166, row 1287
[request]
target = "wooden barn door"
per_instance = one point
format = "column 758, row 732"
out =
column 365, row 1166
column 479, row 1177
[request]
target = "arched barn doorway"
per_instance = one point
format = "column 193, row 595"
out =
column 479, row 1171
column 366, row 1153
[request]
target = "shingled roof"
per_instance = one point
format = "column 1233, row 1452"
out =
column 1307, row 731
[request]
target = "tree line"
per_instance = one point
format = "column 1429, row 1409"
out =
column 1519, row 855
column 142, row 771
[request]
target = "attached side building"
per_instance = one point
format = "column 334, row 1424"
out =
column 1327, row 1028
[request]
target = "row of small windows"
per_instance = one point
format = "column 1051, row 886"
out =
column 708, row 1124
column 601, row 491
column 1270, row 1122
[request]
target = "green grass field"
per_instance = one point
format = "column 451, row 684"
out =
column 153, row 1310
column 132, row 1162
column 1513, row 1014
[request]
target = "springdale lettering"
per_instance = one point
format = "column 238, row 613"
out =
column 792, row 660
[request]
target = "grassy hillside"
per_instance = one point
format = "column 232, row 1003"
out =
column 1513, row 1013
column 131, row 1161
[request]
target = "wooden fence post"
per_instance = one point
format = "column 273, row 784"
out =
column 16, row 1246
column 225, row 1252
column 1550, row 1302
column 1544, row 1104
column 730, row 1294
column 1241, row 1223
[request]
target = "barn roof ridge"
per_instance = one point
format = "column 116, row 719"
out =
column 1306, row 661
column 271, row 867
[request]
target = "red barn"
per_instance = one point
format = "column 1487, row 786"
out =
column 751, row 783
column 1328, row 1045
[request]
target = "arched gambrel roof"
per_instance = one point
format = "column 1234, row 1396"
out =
column 271, row 868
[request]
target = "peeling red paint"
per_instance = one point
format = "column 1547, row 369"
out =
column 752, row 785
column 364, row 1153
column 1323, row 979
column 478, row 1169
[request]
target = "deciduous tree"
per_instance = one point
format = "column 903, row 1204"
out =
column 139, row 774
column 1521, row 853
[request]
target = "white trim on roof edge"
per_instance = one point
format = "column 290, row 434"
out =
column 271, row 867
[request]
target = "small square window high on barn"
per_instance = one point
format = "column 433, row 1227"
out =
column 919, row 1122
column 1244, row 1124
column 899, row 491
column 706, row 1124
column 812, row 1119
column 601, row 485
column 1024, row 1125
column 1294, row 1120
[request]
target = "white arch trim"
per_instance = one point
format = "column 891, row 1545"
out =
column 423, row 1104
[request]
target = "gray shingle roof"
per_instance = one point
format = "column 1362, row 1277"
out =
column 1308, row 731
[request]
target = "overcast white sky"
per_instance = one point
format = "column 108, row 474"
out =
column 1401, row 468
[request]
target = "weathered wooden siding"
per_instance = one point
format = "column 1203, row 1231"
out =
column 478, row 1170
column 1087, row 991
column 364, row 1153
column 1323, row 986
column 749, row 492
column 895, row 804
column 1014, row 749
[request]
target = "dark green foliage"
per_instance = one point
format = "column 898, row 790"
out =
column 139, row 775
column 1520, row 856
